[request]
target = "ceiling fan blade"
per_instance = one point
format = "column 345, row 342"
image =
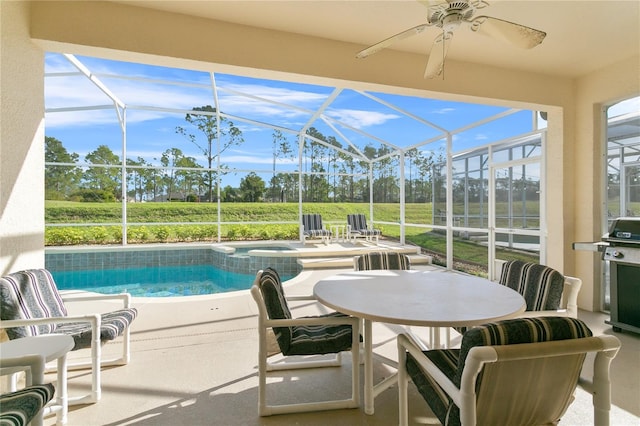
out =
column 435, row 63
column 389, row 41
column 434, row 4
column 516, row 34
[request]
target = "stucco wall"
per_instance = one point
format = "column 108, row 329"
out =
column 21, row 142
column 593, row 93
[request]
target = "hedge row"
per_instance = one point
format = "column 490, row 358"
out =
column 68, row 235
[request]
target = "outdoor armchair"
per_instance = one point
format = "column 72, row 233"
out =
column 546, row 291
column 312, row 227
column 357, row 227
column 30, row 305
column 315, row 335
column 521, row 371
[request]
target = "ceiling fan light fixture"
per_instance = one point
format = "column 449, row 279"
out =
column 451, row 21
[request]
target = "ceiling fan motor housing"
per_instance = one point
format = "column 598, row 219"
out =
column 449, row 18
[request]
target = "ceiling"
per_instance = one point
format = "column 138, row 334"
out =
column 582, row 35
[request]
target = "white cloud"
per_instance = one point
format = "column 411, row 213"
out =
column 443, row 111
column 359, row 118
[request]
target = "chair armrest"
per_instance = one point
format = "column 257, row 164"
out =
column 300, row 298
column 94, row 319
column 408, row 343
column 84, row 297
column 550, row 313
column 572, row 287
column 609, row 347
column 353, row 321
column 32, row 365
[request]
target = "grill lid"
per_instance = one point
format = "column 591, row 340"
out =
column 624, row 230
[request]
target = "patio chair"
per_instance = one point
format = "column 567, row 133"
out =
column 316, row 335
column 24, row 406
column 377, row 260
column 312, row 227
column 30, row 305
column 546, row 291
column 357, row 227
column 518, row 371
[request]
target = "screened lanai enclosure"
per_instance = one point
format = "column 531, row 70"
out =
column 126, row 140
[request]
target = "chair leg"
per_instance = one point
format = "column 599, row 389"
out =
column 403, row 408
column 263, row 367
column 262, row 372
column 96, row 350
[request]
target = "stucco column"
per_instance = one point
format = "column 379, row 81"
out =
column 21, row 142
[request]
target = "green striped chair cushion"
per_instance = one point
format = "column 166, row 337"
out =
column 276, row 305
column 320, row 339
column 313, row 227
column 540, row 285
column 358, row 225
column 20, row 407
column 382, row 260
column 297, row 339
column 508, row 332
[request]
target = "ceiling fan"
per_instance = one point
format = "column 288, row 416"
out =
column 449, row 15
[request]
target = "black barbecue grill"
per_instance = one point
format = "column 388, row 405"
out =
column 621, row 248
column 623, row 254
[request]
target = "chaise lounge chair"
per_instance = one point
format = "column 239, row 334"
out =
column 312, row 227
column 357, row 227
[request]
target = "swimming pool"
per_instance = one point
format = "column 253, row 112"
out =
column 160, row 281
column 168, row 270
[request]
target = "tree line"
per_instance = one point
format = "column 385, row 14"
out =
column 330, row 171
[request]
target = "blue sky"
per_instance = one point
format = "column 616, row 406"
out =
column 351, row 116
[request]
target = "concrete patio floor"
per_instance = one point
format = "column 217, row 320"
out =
column 194, row 362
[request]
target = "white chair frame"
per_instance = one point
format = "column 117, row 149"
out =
column 96, row 350
column 605, row 348
column 353, row 235
column 33, row 366
column 264, row 323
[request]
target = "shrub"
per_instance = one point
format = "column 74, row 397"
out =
column 63, row 236
column 205, row 232
column 138, row 234
column 161, row 233
column 94, row 195
column 184, row 232
column 98, row 234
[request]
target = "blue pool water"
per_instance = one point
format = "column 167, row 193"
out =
column 160, row 281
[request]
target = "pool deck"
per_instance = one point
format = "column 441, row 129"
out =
column 194, row 362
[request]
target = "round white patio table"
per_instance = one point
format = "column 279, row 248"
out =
column 50, row 347
column 434, row 298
